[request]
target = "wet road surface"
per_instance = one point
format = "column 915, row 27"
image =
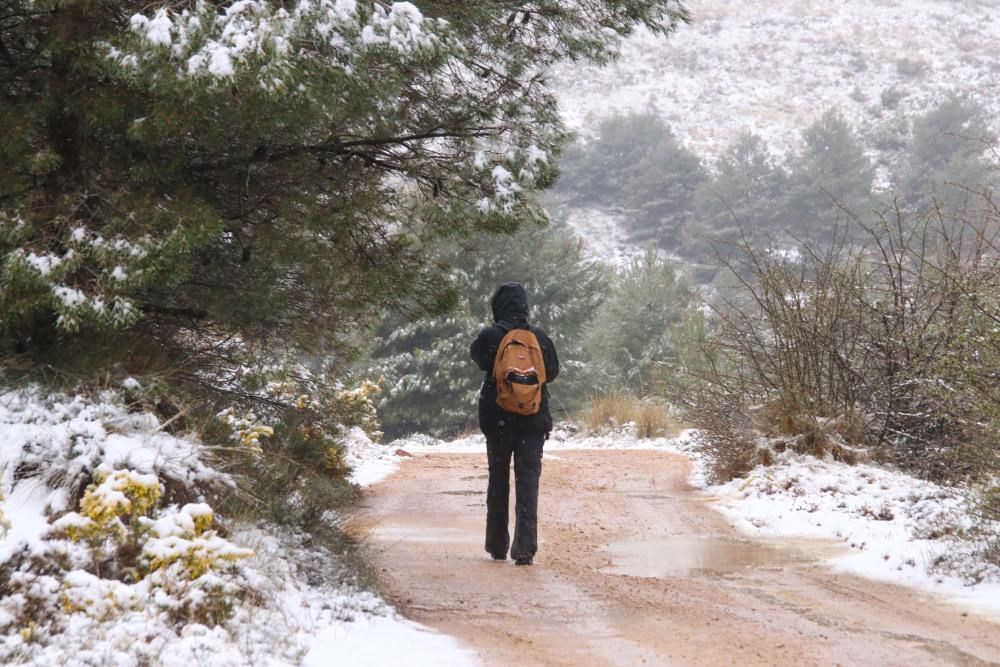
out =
column 635, row 568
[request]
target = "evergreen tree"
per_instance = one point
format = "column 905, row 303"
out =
column 430, row 382
column 947, row 154
column 642, row 330
column 598, row 171
column 829, row 174
column 745, row 194
column 661, row 187
column 207, row 179
column 636, row 161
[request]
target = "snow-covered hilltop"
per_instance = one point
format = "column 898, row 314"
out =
column 775, row 67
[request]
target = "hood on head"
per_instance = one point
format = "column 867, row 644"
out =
column 510, row 305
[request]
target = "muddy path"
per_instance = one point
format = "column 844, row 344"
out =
column 635, row 568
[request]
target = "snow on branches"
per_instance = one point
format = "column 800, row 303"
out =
column 263, row 41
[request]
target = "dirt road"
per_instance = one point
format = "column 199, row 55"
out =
column 635, row 568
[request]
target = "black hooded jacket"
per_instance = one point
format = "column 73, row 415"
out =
column 510, row 311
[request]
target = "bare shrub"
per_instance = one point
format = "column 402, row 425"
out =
column 885, row 341
column 726, row 437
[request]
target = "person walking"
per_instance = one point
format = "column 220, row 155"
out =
column 519, row 361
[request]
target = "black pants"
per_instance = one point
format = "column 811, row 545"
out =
column 527, row 452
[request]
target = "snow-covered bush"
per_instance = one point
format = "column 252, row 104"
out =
column 4, row 522
column 116, row 549
column 111, row 507
column 116, row 556
column 59, row 441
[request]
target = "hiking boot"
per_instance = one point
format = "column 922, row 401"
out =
column 524, row 560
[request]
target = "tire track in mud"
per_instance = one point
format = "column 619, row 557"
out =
column 607, row 521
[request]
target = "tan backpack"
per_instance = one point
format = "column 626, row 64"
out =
column 519, row 372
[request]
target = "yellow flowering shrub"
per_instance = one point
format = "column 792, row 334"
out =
column 117, row 510
column 250, row 437
column 122, row 494
column 246, row 429
column 111, row 505
column 334, row 461
column 356, row 407
column 83, row 592
column 185, row 538
column 30, row 632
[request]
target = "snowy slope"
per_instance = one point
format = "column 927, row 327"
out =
column 774, row 67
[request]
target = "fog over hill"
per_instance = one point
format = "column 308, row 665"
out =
column 774, row 67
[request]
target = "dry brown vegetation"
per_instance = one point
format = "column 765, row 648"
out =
column 609, row 411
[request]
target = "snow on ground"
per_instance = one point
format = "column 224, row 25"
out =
column 369, row 462
column 603, row 233
column 292, row 602
column 295, row 604
column 773, row 68
column 385, row 640
column 897, row 527
column 894, row 527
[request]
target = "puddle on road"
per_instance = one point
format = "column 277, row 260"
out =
column 681, row 555
column 391, row 532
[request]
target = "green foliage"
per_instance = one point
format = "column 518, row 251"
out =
column 640, row 335
column 947, row 154
column 637, row 162
column 228, row 182
column 830, row 178
column 288, row 441
column 744, row 196
column 431, row 384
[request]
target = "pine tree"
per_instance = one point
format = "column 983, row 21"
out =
column 637, row 162
column 660, row 187
column 947, row 154
column 743, row 197
column 830, row 178
column 641, row 332
column 211, row 179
